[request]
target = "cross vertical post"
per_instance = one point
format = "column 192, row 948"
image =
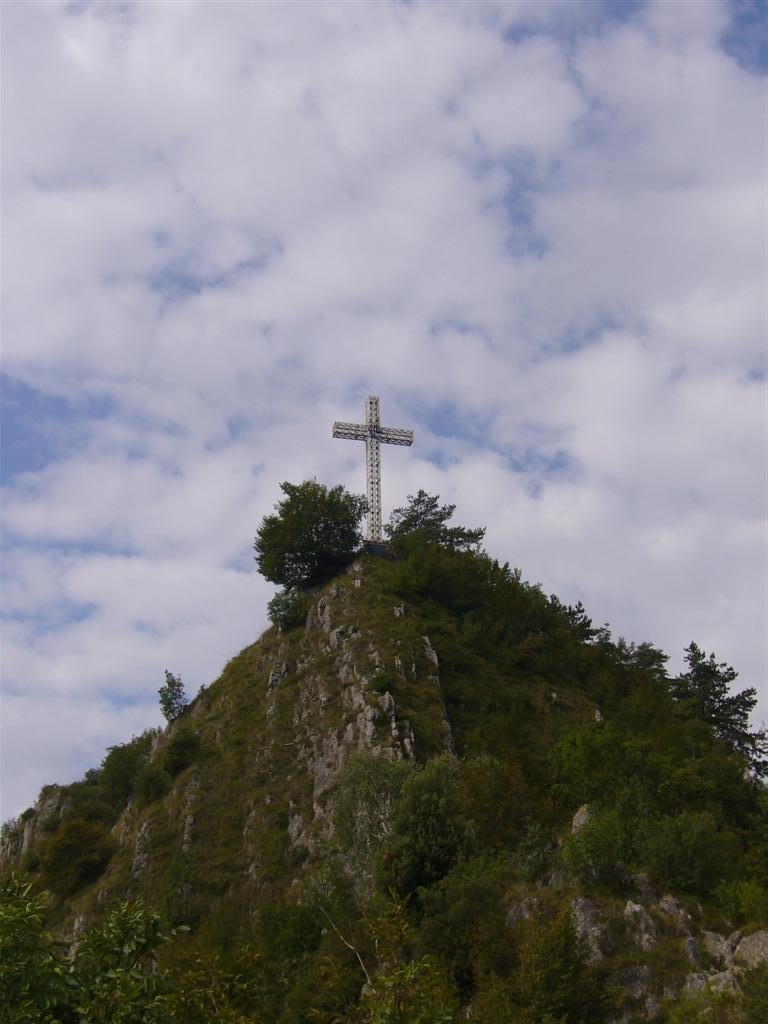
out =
column 374, row 435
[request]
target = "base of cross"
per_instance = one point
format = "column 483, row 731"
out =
column 376, row 547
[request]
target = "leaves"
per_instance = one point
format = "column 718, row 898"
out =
column 314, row 534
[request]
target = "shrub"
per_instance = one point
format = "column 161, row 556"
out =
column 288, row 609
column 77, row 855
column 429, row 827
column 688, row 851
column 33, row 983
column 152, row 782
column 121, row 766
column 743, row 900
column 599, row 849
column 367, row 792
column 181, row 751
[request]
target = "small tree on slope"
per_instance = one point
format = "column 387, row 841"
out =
column 173, row 699
column 704, row 692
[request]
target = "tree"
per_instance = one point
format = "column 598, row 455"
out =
column 77, row 855
column 173, row 699
column 424, row 521
column 288, row 609
column 314, row 534
column 34, row 985
column 704, row 692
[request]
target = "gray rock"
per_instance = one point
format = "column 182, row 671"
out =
column 692, row 951
column 430, row 652
column 398, row 611
column 278, row 672
column 141, row 850
column 725, row 981
column 752, row 951
column 336, row 636
column 580, row 819
column 695, row 982
column 643, row 886
column 523, row 911
column 644, row 932
column 718, row 948
column 677, row 912
column 591, row 929
column 638, row 983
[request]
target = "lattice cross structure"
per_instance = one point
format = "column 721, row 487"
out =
column 374, row 436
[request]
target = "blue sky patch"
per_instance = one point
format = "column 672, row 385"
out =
column 31, row 423
column 746, row 38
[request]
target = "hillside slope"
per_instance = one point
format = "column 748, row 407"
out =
column 443, row 784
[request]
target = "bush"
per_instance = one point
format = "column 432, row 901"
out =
column 152, row 782
column 76, row 856
column 688, row 851
column 288, row 609
column 181, row 751
column 429, row 833
column 368, row 789
column 599, row 850
column 743, row 900
column 121, row 766
column 33, row 984
column 313, row 536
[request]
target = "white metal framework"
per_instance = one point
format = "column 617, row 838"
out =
column 374, row 436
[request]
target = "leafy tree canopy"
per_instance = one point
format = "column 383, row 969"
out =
column 423, row 521
column 704, row 692
column 313, row 535
column 173, row 699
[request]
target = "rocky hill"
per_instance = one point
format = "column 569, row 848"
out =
column 442, row 797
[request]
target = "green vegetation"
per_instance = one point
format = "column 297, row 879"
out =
column 173, row 699
column 181, row 751
column 314, row 535
column 425, row 522
column 328, row 877
column 288, row 609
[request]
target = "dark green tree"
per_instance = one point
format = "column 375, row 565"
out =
column 704, row 692
column 313, row 535
column 34, row 984
column 173, row 699
column 424, row 521
column 76, row 856
column 120, row 767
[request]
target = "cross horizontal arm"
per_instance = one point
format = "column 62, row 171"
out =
column 352, row 431
column 393, row 435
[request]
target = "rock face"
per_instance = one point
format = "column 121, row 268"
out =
column 644, row 932
column 580, row 819
column 752, row 951
column 591, row 928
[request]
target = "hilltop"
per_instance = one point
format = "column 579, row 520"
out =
column 440, row 795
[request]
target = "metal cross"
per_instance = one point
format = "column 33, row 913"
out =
column 373, row 434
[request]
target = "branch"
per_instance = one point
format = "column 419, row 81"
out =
column 348, row 945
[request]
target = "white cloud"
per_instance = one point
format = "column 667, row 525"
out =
column 535, row 229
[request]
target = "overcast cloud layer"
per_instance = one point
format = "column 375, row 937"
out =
column 535, row 229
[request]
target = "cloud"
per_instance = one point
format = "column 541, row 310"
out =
column 535, row 229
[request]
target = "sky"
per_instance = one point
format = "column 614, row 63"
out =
column 536, row 229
